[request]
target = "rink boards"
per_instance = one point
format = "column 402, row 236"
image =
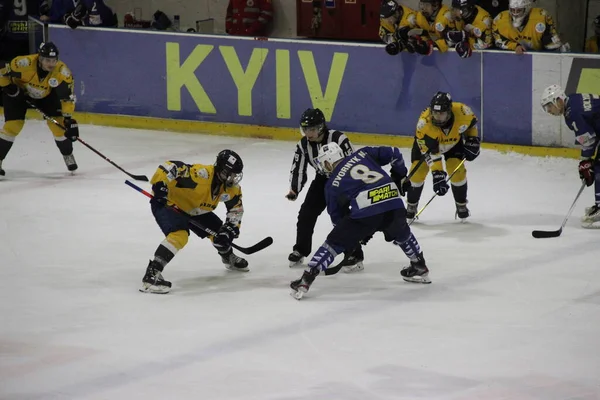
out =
column 259, row 88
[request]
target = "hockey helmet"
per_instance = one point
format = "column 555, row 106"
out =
column 228, row 168
column 519, row 11
column 549, row 99
column 388, row 8
column 466, row 8
column 48, row 50
column 441, row 108
column 329, row 155
column 312, row 124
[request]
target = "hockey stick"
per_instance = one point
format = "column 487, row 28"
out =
column 266, row 242
column 55, row 122
column 435, row 194
column 552, row 234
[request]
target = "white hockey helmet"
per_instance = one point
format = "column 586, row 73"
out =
column 519, row 10
column 550, row 95
column 329, row 154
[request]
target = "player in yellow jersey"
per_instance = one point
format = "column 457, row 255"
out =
column 395, row 21
column 473, row 28
column 446, row 130
column 592, row 45
column 196, row 189
column 433, row 20
column 523, row 28
column 45, row 81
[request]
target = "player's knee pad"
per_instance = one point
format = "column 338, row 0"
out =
column 56, row 130
column 11, row 129
column 420, row 175
column 460, row 177
column 178, row 239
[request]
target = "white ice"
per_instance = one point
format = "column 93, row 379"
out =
column 507, row 316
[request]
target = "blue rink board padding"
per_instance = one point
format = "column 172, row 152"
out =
column 360, row 89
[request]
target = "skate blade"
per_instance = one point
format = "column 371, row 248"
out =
column 350, row 269
column 590, row 224
column 155, row 289
column 298, row 294
column 230, row 268
column 297, row 263
column 417, row 279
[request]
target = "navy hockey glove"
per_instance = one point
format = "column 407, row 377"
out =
column 463, row 49
column 440, row 186
column 161, row 192
column 74, row 18
column 471, row 146
column 456, row 36
column 225, row 235
column 291, row 196
column 71, row 129
column 586, row 171
column 393, row 48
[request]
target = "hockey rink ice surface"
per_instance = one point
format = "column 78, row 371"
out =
column 506, row 317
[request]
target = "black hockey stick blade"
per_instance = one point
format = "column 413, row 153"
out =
column 546, row 234
column 263, row 244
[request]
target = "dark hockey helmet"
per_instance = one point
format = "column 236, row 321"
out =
column 597, row 25
column 388, row 8
column 465, row 7
column 228, row 167
column 312, row 124
column 48, row 50
column 441, row 108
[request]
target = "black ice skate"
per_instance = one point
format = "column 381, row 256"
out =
column 153, row 281
column 70, row 162
column 411, row 210
column 1, row 170
column 233, row 262
column 353, row 262
column 295, row 259
column 591, row 219
column 301, row 286
column 462, row 212
column 417, row 272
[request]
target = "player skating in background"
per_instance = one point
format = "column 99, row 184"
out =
column 581, row 113
column 448, row 130
column 196, row 189
column 473, row 28
column 315, row 134
column 363, row 199
column 47, row 83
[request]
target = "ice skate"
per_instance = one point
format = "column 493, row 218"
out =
column 233, row 262
column 300, row 286
column 70, row 162
column 411, row 210
column 353, row 262
column 153, row 281
column 591, row 219
column 462, row 212
column 417, row 272
column 295, row 259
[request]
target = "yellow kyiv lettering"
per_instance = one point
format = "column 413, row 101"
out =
column 282, row 84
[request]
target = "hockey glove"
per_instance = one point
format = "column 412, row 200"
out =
column 393, row 48
column 463, row 49
column 586, row 172
column 455, row 36
column 440, row 186
column 291, row 196
column 225, row 235
column 161, row 193
column 423, row 46
column 401, row 34
column 71, row 129
column 471, row 146
column 11, row 90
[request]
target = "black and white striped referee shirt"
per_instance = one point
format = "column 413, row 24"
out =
column 307, row 151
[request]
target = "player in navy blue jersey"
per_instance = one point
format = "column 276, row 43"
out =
column 363, row 199
column 582, row 116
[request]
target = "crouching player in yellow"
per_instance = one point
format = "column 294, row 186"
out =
column 446, row 130
column 196, row 189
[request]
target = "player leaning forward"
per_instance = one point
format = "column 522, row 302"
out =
column 447, row 130
column 363, row 199
column 581, row 113
column 196, row 189
column 47, row 83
